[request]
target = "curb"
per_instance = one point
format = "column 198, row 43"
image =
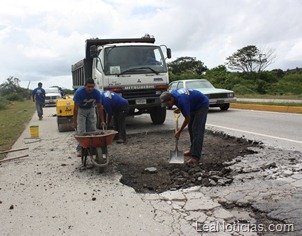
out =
column 290, row 109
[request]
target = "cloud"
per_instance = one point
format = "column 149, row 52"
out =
column 41, row 40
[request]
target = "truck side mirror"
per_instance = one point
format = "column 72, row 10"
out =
column 93, row 51
column 169, row 54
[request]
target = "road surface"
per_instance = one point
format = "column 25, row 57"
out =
column 275, row 129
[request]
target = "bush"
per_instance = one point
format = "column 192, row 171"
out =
column 14, row 97
column 290, row 84
column 241, row 89
column 3, row 103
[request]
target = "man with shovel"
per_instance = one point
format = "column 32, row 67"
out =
column 194, row 107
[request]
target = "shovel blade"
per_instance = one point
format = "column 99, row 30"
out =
column 176, row 157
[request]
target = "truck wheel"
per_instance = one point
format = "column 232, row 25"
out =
column 158, row 115
column 225, row 106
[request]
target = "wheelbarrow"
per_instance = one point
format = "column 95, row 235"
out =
column 94, row 145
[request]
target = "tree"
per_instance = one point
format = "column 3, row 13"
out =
column 250, row 59
column 11, row 88
column 187, row 65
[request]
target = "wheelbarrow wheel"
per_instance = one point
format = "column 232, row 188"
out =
column 101, row 158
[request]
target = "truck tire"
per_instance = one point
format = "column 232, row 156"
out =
column 158, row 115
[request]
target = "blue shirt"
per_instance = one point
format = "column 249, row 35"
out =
column 112, row 102
column 39, row 94
column 62, row 92
column 86, row 100
column 189, row 100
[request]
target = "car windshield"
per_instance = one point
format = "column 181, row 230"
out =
column 134, row 60
column 52, row 90
column 198, row 84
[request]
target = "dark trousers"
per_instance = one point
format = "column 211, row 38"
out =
column 119, row 119
column 196, row 130
column 39, row 108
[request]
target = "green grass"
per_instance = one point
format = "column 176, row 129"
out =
column 260, row 96
column 13, row 121
column 293, row 104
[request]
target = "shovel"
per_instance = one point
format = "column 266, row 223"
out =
column 176, row 156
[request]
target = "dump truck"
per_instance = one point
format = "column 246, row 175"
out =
column 135, row 68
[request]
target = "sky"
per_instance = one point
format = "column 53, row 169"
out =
column 40, row 40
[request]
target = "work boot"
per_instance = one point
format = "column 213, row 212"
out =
column 79, row 154
column 192, row 160
column 120, row 141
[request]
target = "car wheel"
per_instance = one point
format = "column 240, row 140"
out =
column 225, row 106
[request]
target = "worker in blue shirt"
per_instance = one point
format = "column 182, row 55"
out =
column 84, row 115
column 118, row 107
column 194, row 107
column 62, row 92
column 39, row 97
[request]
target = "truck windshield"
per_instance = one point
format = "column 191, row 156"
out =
column 134, row 60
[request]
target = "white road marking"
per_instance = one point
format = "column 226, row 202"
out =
column 263, row 135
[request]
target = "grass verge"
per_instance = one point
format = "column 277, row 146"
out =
column 266, row 96
column 291, row 104
column 13, row 121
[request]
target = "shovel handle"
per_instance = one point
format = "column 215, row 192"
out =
column 176, row 116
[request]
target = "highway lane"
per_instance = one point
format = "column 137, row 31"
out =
column 280, row 130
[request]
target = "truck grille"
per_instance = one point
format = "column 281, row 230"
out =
column 139, row 93
column 51, row 97
column 217, row 95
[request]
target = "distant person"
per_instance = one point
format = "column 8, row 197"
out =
column 39, row 97
column 62, row 92
column 118, row 107
column 84, row 116
column 194, row 107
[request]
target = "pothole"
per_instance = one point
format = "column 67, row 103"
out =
column 153, row 149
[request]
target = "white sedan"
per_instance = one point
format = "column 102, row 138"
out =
column 51, row 96
column 218, row 97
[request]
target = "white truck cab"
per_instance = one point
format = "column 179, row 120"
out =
column 134, row 68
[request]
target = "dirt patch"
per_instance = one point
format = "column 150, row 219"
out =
column 143, row 161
